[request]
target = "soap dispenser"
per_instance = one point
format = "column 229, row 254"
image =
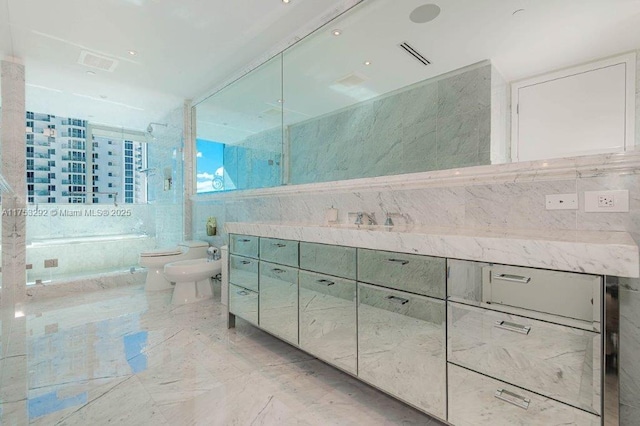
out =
column 212, row 227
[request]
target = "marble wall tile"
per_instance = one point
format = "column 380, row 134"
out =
column 13, row 170
column 85, row 285
column 458, row 139
column 518, row 205
column 637, row 98
column 419, row 149
column 629, row 415
column 500, row 119
column 421, row 128
column 629, row 347
column 465, row 92
column 611, row 221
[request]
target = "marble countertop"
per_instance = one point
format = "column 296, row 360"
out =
column 594, row 252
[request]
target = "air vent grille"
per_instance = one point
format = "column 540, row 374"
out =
column 351, row 80
column 414, row 53
column 90, row 59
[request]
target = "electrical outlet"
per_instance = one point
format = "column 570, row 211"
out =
column 606, row 201
column 561, row 202
column 51, row 263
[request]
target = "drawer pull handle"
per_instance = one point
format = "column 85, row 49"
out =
column 512, row 326
column 512, row 398
column 245, row 262
column 278, row 270
column 243, row 293
column 325, row 282
column 244, row 240
column 278, row 244
column 512, row 278
column 397, row 299
column 401, row 261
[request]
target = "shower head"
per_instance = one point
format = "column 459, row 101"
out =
column 150, row 126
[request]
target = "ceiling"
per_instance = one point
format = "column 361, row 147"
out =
column 543, row 35
column 183, row 48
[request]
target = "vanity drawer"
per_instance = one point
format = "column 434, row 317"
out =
column 243, row 271
column 243, row 303
column 244, row 245
column 338, row 261
column 476, row 400
column 401, row 346
column 408, row 272
column 328, row 319
column 283, row 252
column 556, row 361
column 544, row 291
column 279, row 301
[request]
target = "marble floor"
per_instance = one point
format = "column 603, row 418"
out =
column 122, row 356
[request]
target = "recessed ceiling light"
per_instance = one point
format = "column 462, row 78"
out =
column 425, row 13
column 91, row 73
column 336, row 32
column 133, row 52
column 367, row 62
column 286, row 1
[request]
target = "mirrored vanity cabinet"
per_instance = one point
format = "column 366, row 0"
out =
column 468, row 342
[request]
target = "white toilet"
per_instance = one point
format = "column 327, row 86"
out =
column 155, row 260
column 192, row 278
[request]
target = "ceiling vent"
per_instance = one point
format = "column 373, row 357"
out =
column 414, row 53
column 351, row 80
column 89, row 59
column 272, row 112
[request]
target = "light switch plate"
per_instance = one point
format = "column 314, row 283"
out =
column 606, row 201
column 561, row 202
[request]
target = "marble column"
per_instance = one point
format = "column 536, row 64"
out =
column 13, row 358
column 13, row 153
column 189, row 176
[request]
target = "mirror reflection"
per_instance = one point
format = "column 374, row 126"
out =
column 391, row 88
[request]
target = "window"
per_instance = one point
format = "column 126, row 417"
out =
column 69, row 142
column 209, row 165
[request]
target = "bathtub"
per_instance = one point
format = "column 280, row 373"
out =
column 84, row 255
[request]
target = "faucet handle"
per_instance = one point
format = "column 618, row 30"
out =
column 389, row 221
column 359, row 216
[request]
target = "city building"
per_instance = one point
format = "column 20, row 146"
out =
column 63, row 168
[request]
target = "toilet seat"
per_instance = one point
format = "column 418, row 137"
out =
column 161, row 252
column 154, row 261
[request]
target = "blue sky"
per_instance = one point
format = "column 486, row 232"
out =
column 209, row 158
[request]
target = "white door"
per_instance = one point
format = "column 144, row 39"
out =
column 574, row 112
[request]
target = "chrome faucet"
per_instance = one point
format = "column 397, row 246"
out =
column 213, row 254
column 389, row 221
column 371, row 218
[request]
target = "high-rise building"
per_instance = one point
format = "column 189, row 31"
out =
column 62, row 167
